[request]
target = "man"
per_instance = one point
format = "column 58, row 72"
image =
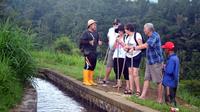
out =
column 154, row 65
column 88, row 43
column 171, row 73
column 111, row 40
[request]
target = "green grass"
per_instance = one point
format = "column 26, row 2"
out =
column 67, row 64
column 11, row 89
column 73, row 65
column 17, row 67
column 157, row 106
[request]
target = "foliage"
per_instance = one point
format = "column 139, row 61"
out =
column 17, row 65
column 175, row 20
column 15, row 45
column 65, row 45
column 10, row 88
column 189, row 91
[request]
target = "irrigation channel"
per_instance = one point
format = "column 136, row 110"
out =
column 53, row 99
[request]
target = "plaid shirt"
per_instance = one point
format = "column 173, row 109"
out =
column 154, row 50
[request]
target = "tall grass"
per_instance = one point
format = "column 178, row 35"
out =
column 15, row 45
column 10, row 88
column 17, row 66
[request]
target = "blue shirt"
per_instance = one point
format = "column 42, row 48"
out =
column 171, row 72
column 154, row 51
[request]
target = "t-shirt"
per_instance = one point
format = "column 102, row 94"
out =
column 131, row 42
column 119, row 50
column 112, row 35
column 88, row 36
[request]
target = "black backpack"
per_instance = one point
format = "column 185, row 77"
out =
column 143, row 41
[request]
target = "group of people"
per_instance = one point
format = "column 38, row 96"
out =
column 125, row 53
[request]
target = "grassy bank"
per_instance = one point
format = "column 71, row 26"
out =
column 17, row 65
column 73, row 66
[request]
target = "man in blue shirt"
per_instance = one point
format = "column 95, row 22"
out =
column 154, row 65
column 171, row 73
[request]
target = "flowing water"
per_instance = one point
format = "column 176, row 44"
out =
column 52, row 99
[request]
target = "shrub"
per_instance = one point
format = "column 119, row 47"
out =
column 64, row 45
column 15, row 45
column 10, row 88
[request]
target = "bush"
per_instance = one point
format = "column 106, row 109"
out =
column 15, row 45
column 10, row 88
column 189, row 91
column 65, row 45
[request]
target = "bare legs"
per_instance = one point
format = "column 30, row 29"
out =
column 134, row 78
column 108, row 70
column 145, row 88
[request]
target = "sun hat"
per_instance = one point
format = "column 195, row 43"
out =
column 90, row 22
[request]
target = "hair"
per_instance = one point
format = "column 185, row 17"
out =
column 150, row 26
column 116, row 21
column 130, row 27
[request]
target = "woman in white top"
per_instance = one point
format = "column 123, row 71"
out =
column 119, row 58
column 133, row 57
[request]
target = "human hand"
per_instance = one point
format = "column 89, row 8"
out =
column 100, row 43
column 91, row 42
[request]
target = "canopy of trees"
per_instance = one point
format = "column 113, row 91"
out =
column 175, row 20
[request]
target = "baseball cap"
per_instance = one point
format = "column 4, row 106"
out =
column 168, row 45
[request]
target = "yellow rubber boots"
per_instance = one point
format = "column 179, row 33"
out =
column 91, row 81
column 86, row 74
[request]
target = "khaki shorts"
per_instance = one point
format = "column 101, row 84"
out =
column 154, row 72
column 110, row 58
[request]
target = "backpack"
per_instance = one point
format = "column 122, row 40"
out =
column 143, row 41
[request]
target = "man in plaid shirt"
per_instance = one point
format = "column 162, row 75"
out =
column 154, row 65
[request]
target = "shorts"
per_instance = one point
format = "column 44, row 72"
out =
column 154, row 72
column 110, row 58
column 134, row 62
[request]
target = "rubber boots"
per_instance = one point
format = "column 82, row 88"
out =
column 91, row 74
column 86, row 78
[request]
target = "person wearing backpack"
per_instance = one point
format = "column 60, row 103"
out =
column 89, row 41
column 133, row 58
column 119, row 58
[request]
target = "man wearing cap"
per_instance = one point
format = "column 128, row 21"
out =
column 154, row 65
column 171, row 73
column 111, row 40
column 88, row 44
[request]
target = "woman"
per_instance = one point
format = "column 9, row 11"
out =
column 133, row 58
column 119, row 58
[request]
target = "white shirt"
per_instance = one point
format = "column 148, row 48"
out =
column 131, row 42
column 112, row 37
column 119, row 51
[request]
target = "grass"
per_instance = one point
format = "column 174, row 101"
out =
column 17, row 65
column 161, row 107
column 73, row 66
column 67, row 64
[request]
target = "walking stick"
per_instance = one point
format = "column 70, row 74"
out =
column 104, row 61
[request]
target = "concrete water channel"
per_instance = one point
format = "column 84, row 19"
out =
column 52, row 99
